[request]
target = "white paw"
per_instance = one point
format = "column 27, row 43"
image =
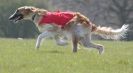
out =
column 37, row 47
column 101, row 51
column 62, row 42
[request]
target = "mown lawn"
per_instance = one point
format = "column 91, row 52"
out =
column 20, row 56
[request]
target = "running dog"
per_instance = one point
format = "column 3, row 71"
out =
column 67, row 24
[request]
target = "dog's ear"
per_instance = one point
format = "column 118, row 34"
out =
column 38, row 11
column 33, row 10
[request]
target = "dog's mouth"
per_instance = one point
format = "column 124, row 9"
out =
column 16, row 17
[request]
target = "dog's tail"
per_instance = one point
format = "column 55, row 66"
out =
column 109, row 33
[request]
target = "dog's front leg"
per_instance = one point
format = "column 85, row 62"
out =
column 41, row 36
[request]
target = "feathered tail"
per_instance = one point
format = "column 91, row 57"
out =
column 109, row 33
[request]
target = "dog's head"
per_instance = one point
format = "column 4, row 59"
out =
column 25, row 12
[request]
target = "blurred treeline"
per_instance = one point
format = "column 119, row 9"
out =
column 112, row 13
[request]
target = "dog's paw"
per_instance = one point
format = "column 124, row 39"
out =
column 101, row 50
column 62, row 43
column 37, row 47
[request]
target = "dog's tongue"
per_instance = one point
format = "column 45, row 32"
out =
column 16, row 20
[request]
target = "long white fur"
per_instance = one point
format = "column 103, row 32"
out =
column 115, row 34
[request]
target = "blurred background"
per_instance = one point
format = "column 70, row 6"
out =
column 112, row 13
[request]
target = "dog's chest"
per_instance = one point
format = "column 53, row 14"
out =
column 46, row 27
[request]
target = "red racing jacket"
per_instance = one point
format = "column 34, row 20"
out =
column 58, row 18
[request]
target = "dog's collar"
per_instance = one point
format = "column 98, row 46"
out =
column 33, row 17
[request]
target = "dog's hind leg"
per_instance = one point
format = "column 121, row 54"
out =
column 86, row 42
column 41, row 36
column 99, row 47
column 75, row 43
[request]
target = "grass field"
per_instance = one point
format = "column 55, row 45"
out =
column 20, row 56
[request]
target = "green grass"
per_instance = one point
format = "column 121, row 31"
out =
column 20, row 56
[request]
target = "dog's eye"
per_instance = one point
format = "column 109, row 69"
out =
column 17, row 11
column 28, row 9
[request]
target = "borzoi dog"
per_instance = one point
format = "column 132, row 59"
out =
column 60, row 24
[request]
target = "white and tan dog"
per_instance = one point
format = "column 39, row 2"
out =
column 61, row 24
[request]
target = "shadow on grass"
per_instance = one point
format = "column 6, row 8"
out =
column 51, row 51
column 55, row 51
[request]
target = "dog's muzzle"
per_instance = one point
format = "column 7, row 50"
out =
column 16, row 17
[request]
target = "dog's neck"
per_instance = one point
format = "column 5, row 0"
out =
column 35, row 18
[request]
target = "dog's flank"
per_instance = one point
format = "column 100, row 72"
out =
column 105, row 32
column 77, row 25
